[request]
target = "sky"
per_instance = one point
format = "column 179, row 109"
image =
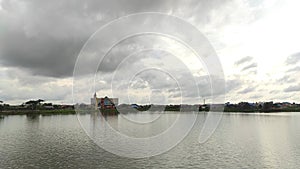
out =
column 256, row 41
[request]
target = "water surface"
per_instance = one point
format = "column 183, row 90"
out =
column 240, row 141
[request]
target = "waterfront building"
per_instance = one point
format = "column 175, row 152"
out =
column 104, row 103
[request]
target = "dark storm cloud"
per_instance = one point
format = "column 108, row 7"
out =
column 243, row 60
column 45, row 37
column 42, row 39
column 293, row 59
column 293, row 88
column 55, row 58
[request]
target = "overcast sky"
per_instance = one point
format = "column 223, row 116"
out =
column 257, row 42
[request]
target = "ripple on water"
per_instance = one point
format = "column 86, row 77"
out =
column 240, row 141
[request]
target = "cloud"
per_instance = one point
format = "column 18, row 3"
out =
column 247, row 90
column 232, row 84
column 293, row 59
column 243, row 60
column 45, row 38
column 294, row 88
column 256, row 96
column 246, row 63
column 286, row 79
column 252, row 65
column 14, row 91
column 295, row 69
column 40, row 41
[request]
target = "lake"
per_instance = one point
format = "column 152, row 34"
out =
column 270, row 140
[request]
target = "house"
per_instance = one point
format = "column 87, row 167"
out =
column 104, row 103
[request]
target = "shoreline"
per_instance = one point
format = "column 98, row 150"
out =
column 38, row 112
column 72, row 111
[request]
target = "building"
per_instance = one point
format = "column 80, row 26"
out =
column 104, row 103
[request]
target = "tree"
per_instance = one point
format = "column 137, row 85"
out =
column 1, row 106
column 34, row 103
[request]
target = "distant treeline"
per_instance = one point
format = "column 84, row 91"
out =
column 41, row 107
column 227, row 107
column 35, row 107
column 262, row 107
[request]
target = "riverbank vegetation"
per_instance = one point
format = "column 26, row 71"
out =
column 43, row 108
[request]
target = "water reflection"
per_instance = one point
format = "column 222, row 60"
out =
column 268, row 136
column 240, row 141
column 33, row 117
column 125, row 124
column 275, row 137
column 119, row 135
